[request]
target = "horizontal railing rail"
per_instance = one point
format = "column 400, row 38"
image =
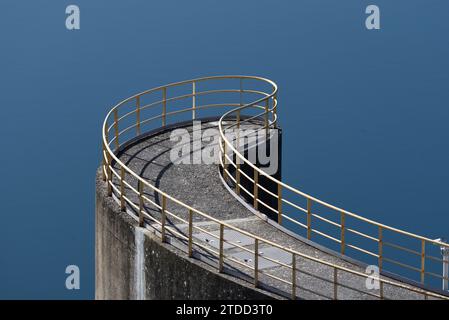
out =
column 124, row 184
column 340, row 237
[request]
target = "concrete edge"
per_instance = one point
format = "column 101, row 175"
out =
column 151, row 235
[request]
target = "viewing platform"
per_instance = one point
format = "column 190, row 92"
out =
column 219, row 230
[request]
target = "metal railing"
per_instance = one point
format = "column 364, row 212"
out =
column 337, row 217
column 127, row 120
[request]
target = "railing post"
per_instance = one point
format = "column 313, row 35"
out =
column 164, row 106
column 342, row 235
column 103, row 157
column 445, row 253
column 335, row 283
column 279, row 203
column 122, row 189
column 293, row 276
column 109, row 178
column 105, row 153
column 381, row 289
column 309, row 218
column 241, row 92
column 237, row 164
column 256, row 189
column 140, row 188
column 190, row 233
column 193, row 100
column 380, row 248
column 267, row 107
column 138, row 115
column 241, row 102
column 163, row 218
column 423, row 260
column 220, row 261
column 116, row 128
column 256, row 262
column 108, row 163
column 275, row 112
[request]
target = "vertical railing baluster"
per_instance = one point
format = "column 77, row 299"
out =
column 116, row 128
column 190, row 233
column 193, row 100
column 241, row 92
column 221, row 257
column 103, row 158
column 445, row 280
column 275, row 114
column 293, row 276
column 256, row 189
column 279, row 203
column 138, row 115
column 237, row 164
column 141, row 208
column 423, row 260
column 108, row 162
column 342, row 233
column 105, row 152
column 122, row 189
column 164, row 106
column 309, row 218
column 267, row 107
column 163, row 218
column 380, row 249
column 256, row 262
column 109, row 178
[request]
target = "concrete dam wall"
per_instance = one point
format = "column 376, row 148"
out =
column 133, row 263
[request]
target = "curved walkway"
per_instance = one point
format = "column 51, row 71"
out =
column 200, row 186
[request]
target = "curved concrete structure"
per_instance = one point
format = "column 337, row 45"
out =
column 133, row 263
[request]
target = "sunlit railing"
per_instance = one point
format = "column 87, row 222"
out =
column 304, row 216
column 135, row 116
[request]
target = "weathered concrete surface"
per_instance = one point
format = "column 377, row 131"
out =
column 167, row 273
column 201, row 187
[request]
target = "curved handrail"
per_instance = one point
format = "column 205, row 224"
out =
column 109, row 172
column 229, row 146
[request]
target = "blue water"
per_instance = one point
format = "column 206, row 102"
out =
column 364, row 113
